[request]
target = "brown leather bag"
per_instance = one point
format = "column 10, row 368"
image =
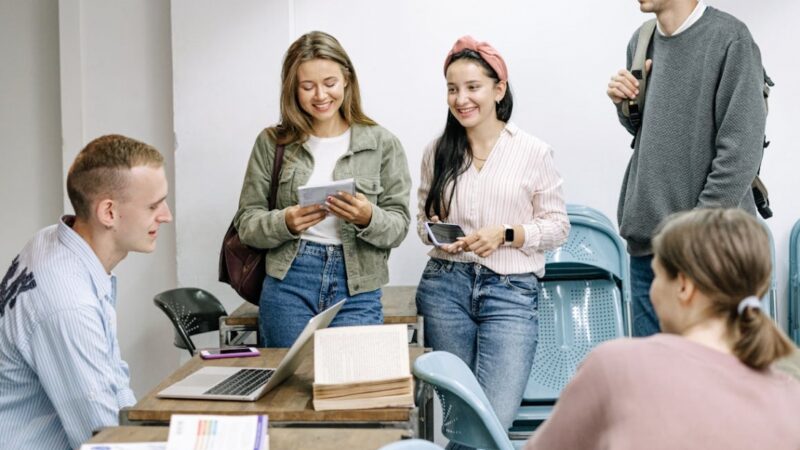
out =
column 242, row 266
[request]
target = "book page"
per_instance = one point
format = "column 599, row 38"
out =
column 215, row 432
column 364, row 353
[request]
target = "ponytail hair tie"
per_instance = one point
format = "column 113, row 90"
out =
column 749, row 302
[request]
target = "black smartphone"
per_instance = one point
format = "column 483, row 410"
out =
column 443, row 233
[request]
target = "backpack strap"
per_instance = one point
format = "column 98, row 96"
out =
column 632, row 109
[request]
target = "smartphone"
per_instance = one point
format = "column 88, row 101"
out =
column 228, row 352
column 443, row 233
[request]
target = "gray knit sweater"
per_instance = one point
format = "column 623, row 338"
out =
column 701, row 139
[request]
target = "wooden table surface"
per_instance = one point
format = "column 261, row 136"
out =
column 279, row 438
column 399, row 306
column 288, row 402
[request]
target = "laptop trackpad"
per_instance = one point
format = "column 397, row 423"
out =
column 200, row 381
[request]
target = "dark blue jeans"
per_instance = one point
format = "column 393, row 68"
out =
column 490, row 321
column 645, row 320
column 316, row 280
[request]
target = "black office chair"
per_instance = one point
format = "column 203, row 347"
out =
column 191, row 311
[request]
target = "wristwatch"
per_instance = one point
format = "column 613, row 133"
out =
column 509, row 235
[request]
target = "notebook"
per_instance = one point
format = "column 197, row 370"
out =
column 248, row 383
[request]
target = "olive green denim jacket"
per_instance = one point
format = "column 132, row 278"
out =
column 375, row 160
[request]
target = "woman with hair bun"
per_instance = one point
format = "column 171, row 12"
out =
column 706, row 382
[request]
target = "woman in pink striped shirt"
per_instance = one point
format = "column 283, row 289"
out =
column 479, row 295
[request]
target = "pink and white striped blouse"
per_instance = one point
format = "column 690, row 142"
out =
column 518, row 185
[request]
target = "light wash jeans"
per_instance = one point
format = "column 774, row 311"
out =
column 645, row 320
column 490, row 321
column 316, row 280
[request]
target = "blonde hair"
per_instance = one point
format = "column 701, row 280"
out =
column 296, row 124
column 726, row 253
column 100, row 170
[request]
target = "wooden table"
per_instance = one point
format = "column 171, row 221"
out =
column 289, row 404
column 399, row 306
column 279, row 438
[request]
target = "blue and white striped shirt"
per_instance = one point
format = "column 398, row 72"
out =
column 61, row 374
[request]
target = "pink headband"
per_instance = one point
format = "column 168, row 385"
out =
column 487, row 52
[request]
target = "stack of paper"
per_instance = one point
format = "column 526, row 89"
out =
column 362, row 367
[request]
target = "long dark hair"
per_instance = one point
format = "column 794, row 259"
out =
column 453, row 154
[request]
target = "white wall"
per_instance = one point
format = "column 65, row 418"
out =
column 30, row 147
column 560, row 57
column 116, row 78
column 116, row 75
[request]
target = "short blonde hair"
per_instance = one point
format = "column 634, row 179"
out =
column 726, row 253
column 100, row 169
column 295, row 124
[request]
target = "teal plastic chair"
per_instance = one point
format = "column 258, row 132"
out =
column 770, row 300
column 583, row 300
column 411, row 444
column 587, row 211
column 467, row 415
column 794, row 283
column 593, row 250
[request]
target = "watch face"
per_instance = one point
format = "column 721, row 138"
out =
column 509, row 234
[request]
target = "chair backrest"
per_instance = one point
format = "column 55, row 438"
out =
column 794, row 283
column 467, row 415
column 191, row 311
column 593, row 250
column 574, row 317
column 411, row 444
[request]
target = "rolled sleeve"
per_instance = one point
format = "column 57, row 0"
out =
column 550, row 225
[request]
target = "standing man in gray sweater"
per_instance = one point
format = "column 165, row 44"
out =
column 701, row 136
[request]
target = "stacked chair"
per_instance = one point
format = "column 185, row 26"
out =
column 770, row 300
column 794, row 284
column 584, row 299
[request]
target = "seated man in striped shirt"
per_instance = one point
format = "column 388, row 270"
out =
column 61, row 374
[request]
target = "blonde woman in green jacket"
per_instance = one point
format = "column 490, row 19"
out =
column 320, row 254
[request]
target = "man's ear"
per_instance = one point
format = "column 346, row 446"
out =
column 106, row 213
column 686, row 289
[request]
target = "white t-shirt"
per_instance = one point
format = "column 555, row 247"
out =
column 326, row 152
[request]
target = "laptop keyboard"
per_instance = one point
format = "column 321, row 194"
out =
column 243, row 382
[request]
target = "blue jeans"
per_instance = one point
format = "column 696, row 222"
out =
column 490, row 321
column 316, row 280
column 645, row 320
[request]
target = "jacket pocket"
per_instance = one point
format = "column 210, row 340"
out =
column 370, row 187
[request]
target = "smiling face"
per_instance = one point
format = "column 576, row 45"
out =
column 320, row 92
column 471, row 94
column 142, row 209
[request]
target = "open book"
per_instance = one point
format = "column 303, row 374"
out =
column 362, row 367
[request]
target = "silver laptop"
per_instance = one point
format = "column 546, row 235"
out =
column 248, row 383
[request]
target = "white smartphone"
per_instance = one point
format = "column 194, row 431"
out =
column 443, row 233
